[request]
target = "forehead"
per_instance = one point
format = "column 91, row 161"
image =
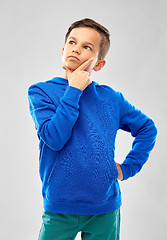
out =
column 86, row 34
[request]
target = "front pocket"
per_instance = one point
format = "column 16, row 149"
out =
column 89, row 182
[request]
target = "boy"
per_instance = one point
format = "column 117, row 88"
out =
column 76, row 121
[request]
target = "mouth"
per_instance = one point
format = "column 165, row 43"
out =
column 73, row 58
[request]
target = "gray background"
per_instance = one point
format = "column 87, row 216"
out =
column 32, row 36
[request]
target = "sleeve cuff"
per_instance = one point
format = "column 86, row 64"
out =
column 127, row 172
column 72, row 93
column 72, row 96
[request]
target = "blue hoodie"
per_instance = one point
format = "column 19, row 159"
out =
column 77, row 131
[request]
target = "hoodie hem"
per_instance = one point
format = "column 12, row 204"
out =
column 62, row 207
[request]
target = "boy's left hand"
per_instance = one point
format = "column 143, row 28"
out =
column 120, row 173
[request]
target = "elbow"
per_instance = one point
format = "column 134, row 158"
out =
column 151, row 133
column 56, row 147
column 54, row 144
column 54, row 140
column 149, row 129
column 154, row 129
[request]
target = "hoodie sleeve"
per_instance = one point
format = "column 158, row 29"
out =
column 143, row 129
column 54, row 124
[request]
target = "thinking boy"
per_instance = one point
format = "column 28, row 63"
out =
column 77, row 121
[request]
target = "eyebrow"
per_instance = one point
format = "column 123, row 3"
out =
column 88, row 43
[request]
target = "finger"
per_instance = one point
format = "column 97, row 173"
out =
column 85, row 64
column 68, row 71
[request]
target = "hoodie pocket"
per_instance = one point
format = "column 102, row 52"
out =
column 91, row 182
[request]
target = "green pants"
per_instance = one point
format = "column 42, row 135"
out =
column 92, row 227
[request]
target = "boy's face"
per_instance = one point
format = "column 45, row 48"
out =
column 82, row 43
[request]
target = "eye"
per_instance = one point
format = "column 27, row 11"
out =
column 72, row 42
column 88, row 48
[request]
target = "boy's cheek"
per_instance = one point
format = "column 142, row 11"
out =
column 71, row 65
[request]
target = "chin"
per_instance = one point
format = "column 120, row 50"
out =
column 72, row 66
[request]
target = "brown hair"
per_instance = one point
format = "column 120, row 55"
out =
column 86, row 22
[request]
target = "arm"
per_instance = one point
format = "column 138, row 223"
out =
column 54, row 124
column 143, row 129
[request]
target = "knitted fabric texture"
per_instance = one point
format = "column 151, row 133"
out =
column 77, row 131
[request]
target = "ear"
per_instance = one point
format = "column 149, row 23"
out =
column 99, row 65
column 62, row 50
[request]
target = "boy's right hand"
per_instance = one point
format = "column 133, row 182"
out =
column 79, row 78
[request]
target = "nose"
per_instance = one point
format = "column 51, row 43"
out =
column 76, row 50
